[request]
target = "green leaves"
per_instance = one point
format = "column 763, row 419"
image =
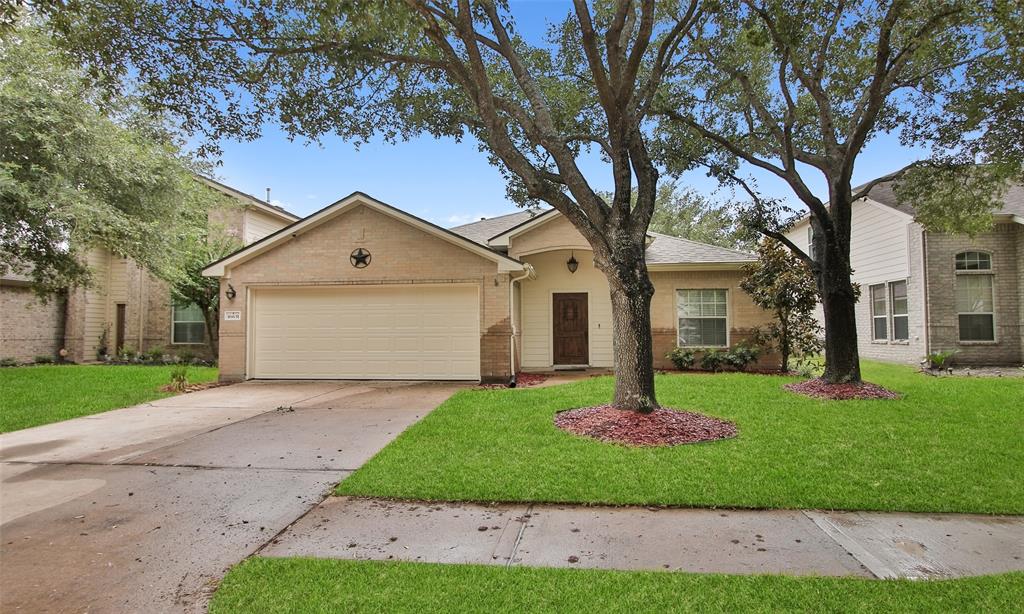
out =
column 74, row 175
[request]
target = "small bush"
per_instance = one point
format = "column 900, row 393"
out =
column 127, row 354
column 154, row 353
column 810, row 366
column 186, row 356
column 43, row 360
column 741, row 356
column 712, row 360
column 179, row 378
column 8, row 362
column 682, row 358
column 940, row 359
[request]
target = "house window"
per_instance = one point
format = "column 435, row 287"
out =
column 702, row 318
column 879, row 313
column 187, row 324
column 900, row 315
column 973, row 261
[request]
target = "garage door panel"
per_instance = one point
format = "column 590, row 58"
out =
column 380, row 332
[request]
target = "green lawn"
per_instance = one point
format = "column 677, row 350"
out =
column 949, row 445
column 42, row 394
column 312, row 585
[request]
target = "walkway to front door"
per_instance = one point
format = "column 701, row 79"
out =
column 569, row 329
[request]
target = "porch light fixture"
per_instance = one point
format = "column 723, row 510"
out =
column 230, row 293
column 572, row 263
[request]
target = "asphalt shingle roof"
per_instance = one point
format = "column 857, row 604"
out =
column 885, row 193
column 664, row 249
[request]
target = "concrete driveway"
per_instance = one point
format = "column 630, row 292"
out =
column 143, row 509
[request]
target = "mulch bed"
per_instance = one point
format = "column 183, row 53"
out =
column 819, row 389
column 192, row 387
column 662, row 427
column 523, row 380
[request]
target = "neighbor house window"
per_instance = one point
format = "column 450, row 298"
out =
column 879, row 313
column 974, row 297
column 188, row 324
column 900, row 315
column 702, row 318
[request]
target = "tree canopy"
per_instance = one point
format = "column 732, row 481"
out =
column 80, row 170
column 686, row 213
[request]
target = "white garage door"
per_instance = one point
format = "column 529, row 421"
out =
column 367, row 332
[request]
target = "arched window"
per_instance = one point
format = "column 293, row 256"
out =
column 975, row 302
column 973, row 261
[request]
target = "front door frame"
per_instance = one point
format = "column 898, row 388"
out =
column 551, row 306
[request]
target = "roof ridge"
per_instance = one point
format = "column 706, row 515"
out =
column 488, row 219
column 736, row 251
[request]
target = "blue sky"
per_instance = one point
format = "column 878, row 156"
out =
column 442, row 181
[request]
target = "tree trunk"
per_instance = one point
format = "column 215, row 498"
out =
column 784, row 340
column 631, row 292
column 838, row 301
column 212, row 317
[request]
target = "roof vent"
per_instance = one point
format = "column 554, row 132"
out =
column 268, row 196
column 482, row 219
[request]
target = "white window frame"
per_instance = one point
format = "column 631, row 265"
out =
column 875, row 316
column 728, row 318
column 892, row 310
column 963, row 273
column 174, row 310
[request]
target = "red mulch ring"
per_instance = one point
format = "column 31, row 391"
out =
column 662, row 427
column 819, row 389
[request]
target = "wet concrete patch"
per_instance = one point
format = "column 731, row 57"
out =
column 695, row 540
column 149, row 539
column 928, row 545
column 291, row 438
column 371, row 529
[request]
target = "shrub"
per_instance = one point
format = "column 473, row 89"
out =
column 712, row 360
column 740, row 356
column 179, row 378
column 8, row 362
column 127, row 354
column 940, row 359
column 43, row 360
column 682, row 358
column 186, row 356
column 154, row 353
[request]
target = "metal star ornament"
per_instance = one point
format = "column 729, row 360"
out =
column 360, row 258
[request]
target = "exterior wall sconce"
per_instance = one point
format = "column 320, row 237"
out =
column 230, row 293
column 572, row 263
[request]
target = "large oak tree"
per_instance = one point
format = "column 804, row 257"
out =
column 403, row 67
column 796, row 89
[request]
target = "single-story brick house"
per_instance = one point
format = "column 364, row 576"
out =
column 924, row 291
column 125, row 307
column 363, row 290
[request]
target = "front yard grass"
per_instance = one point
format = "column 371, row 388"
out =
column 319, row 585
column 949, row 445
column 31, row 396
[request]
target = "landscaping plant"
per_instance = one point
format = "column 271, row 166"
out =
column 179, row 378
column 940, row 359
column 782, row 284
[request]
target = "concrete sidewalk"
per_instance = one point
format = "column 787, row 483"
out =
column 881, row 545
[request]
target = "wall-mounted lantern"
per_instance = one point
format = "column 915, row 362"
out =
column 572, row 263
column 230, row 293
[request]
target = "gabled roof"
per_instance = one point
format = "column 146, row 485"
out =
column 668, row 250
column 663, row 250
column 249, row 199
column 483, row 230
column 885, row 194
column 355, row 199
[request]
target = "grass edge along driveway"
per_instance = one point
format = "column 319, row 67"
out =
column 949, row 445
column 272, row 585
column 37, row 395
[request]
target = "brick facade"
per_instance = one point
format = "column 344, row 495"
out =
column 29, row 327
column 1005, row 243
column 402, row 254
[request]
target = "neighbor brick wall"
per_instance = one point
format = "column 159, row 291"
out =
column 401, row 254
column 29, row 327
column 1004, row 243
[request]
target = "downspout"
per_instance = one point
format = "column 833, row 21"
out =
column 528, row 271
column 924, row 283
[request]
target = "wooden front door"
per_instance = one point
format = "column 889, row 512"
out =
column 119, row 326
column 569, row 329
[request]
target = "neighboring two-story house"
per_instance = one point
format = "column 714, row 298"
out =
column 126, row 306
column 924, row 291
